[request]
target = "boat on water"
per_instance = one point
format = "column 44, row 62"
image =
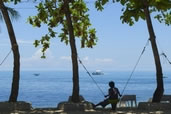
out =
column 98, row 72
column 36, row 74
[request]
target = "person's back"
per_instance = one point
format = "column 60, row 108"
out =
column 112, row 99
column 113, row 93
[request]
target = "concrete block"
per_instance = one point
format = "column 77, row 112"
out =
column 11, row 106
column 154, row 106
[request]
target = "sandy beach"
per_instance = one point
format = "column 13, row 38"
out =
column 84, row 108
column 97, row 111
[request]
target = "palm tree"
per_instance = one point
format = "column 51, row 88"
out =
column 75, row 91
column 6, row 13
column 159, row 75
column 141, row 9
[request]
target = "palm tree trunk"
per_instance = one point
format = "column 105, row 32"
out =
column 159, row 75
column 16, row 55
column 75, row 91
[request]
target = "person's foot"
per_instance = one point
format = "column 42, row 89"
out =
column 113, row 109
column 103, row 106
column 94, row 106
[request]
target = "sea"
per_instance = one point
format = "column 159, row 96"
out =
column 52, row 87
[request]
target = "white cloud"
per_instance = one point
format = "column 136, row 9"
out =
column 36, row 61
column 104, row 60
column 90, row 61
column 86, row 58
column 66, row 58
column 97, row 63
column 37, row 55
column 6, row 42
column 64, row 62
column 24, row 42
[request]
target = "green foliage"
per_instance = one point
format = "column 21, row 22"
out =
column 167, row 17
column 100, row 3
column 52, row 14
column 15, row 1
column 133, row 10
column 14, row 15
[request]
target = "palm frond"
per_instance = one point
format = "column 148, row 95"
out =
column 14, row 15
column 1, row 17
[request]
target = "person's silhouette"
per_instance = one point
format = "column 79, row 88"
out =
column 112, row 97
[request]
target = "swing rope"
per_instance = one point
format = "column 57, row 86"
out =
column 163, row 54
column 135, row 66
column 5, row 57
column 91, row 77
column 133, row 70
column 129, row 76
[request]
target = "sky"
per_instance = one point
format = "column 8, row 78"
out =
column 117, row 49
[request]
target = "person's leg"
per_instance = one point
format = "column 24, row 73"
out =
column 114, row 106
column 99, row 104
column 93, row 105
column 103, row 103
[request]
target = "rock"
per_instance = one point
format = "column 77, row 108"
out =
column 11, row 106
column 71, row 106
column 81, row 98
column 154, row 106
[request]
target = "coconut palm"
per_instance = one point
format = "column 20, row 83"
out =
column 7, row 14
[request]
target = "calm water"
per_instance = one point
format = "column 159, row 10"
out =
column 52, row 87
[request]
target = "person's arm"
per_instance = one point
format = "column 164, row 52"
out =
column 119, row 92
column 108, row 94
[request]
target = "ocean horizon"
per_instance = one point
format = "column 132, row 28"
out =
column 49, row 88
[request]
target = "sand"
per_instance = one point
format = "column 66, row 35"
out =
column 84, row 108
column 97, row 111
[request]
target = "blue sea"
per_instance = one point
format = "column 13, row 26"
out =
column 52, row 87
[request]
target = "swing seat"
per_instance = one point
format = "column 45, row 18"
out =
column 113, row 101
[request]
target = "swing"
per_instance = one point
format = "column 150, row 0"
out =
column 5, row 57
column 119, row 100
column 163, row 54
column 116, row 100
column 113, row 101
column 128, row 78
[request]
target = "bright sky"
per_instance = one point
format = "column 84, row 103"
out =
column 118, row 46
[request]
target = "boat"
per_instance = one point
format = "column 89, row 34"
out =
column 98, row 72
column 36, row 74
column 165, row 77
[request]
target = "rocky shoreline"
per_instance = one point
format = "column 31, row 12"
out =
column 22, row 107
column 97, row 111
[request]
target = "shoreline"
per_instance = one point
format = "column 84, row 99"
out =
column 76, row 108
column 97, row 111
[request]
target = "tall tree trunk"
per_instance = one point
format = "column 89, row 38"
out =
column 159, row 75
column 16, row 55
column 75, row 91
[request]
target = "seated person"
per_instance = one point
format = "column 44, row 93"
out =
column 112, row 97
